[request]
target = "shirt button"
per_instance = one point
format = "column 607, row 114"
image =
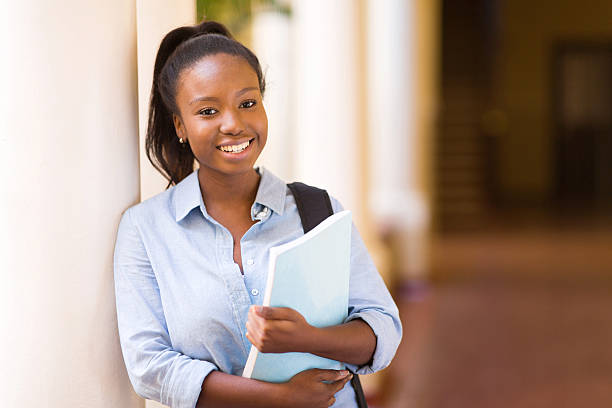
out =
column 250, row 262
column 260, row 215
column 254, row 292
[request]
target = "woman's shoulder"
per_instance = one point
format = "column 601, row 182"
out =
column 173, row 202
column 154, row 207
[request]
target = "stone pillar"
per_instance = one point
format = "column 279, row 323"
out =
column 402, row 65
column 69, row 160
column 328, row 97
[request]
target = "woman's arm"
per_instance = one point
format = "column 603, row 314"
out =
column 281, row 330
column 367, row 340
column 305, row 389
column 353, row 342
column 156, row 370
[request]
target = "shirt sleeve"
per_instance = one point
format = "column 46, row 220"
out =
column 370, row 300
column 156, row 371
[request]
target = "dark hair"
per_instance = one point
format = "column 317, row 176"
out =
column 181, row 48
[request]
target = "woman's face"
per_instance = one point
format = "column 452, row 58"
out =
column 221, row 113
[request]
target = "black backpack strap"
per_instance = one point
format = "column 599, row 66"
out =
column 359, row 395
column 314, row 205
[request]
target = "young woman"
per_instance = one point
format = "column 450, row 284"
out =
column 190, row 263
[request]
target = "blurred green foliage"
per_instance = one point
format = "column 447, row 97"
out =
column 236, row 14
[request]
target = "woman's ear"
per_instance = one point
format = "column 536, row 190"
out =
column 178, row 126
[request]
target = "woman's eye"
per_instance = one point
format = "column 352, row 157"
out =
column 248, row 104
column 208, row 111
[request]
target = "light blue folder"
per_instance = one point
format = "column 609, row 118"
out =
column 310, row 275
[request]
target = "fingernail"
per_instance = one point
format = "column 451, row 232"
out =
column 344, row 372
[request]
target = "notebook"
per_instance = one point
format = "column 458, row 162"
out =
column 311, row 275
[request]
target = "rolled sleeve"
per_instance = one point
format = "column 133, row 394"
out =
column 370, row 300
column 156, row 371
column 387, row 341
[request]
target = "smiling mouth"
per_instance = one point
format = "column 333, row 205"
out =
column 235, row 148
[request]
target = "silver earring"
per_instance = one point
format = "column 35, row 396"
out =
column 181, row 140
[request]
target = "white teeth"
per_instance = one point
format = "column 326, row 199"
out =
column 235, row 148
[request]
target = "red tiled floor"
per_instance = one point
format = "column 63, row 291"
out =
column 515, row 319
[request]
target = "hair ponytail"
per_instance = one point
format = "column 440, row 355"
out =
column 173, row 160
column 180, row 49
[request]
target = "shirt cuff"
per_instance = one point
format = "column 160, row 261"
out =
column 386, row 342
column 183, row 391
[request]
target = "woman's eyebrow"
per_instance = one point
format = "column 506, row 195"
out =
column 245, row 90
column 203, row 98
column 212, row 98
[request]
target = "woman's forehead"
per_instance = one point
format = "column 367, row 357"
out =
column 218, row 72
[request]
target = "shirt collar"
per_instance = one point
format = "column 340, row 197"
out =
column 187, row 196
column 271, row 193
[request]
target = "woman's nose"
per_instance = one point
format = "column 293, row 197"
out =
column 231, row 123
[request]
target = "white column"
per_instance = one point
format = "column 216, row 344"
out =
column 272, row 45
column 155, row 19
column 401, row 88
column 327, row 96
column 69, row 161
column 391, row 100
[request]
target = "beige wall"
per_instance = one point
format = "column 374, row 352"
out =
column 69, row 160
column 528, row 32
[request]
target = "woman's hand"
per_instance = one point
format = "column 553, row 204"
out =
column 284, row 330
column 303, row 390
column 278, row 329
column 307, row 389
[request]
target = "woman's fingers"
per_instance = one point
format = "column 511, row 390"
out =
column 250, row 334
column 254, row 324
column 278, row 329
column 275, row 313
column 317, row 387
column 331, row 375
column 338, row 385
column 252, row 329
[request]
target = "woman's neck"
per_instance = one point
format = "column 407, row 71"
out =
column 221, row 190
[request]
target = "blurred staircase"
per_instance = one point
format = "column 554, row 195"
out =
column 465, row 164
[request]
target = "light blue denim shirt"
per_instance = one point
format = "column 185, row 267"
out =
column 182, row 301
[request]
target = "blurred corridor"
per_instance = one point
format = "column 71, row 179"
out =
column 518, row 315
